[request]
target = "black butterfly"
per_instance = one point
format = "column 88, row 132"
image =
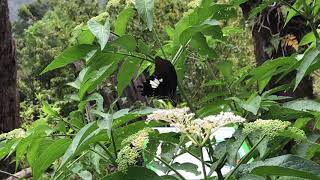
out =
column 163, row 82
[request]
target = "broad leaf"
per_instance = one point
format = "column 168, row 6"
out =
column 309, row 57
column 68, row 56
column 134, row 173
column 126, row 72
column 286, row 165
column 303, row 105
column 122, row 21
column 101, row 32
column 51, row 154
column 145, row 10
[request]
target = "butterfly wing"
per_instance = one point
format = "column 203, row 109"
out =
column 163, row 83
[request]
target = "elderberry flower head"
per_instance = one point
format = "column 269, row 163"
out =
column 198, row 129
column 127, row 157
column 16, row 133
column 270, row 128
column 132, row 147
column 138, row 139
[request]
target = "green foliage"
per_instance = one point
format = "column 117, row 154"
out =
column 90, row 140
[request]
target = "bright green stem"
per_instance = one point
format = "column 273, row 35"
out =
column 114, row 145
column 203, row 164
column 166, row 164
column 109, row 153
column 246, row 158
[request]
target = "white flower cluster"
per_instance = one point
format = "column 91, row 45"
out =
column 198, row 130
column 16, row 133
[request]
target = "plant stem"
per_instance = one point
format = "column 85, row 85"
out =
column 246, row 158
column 108, row 152
column 203, row 163
column 103, row 157
column 166, row 164
column 131, row 55
column 114, row 145
column 159, row 42
column 180, row 51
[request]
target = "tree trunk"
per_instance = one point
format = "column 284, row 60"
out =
column 270, row 34
column 9, row 114
column 9, row 111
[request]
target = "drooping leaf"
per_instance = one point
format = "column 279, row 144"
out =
column 145, row 10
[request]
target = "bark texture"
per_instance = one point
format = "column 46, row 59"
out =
column 9, row 113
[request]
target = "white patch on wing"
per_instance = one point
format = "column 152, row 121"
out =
column 155, row 83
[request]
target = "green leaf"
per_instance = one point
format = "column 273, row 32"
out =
column 122, row 21
column 281, row 171
column 225, row 68
column 199, row 43
column 303, row 105
column 101, row 32
column 83, row 132
column 134, row 173
column 22, row 150
column 6, row 147
column 188, row 167
column 145, row 10
column 127, row 42
column 286, row 165
column 187, row 34
column 261, row 7
column 309, row 57
column 96, row 79
column 292, row 12
column 50, row 155
column 126, row 72
column 69, row 55
column 307, row 39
